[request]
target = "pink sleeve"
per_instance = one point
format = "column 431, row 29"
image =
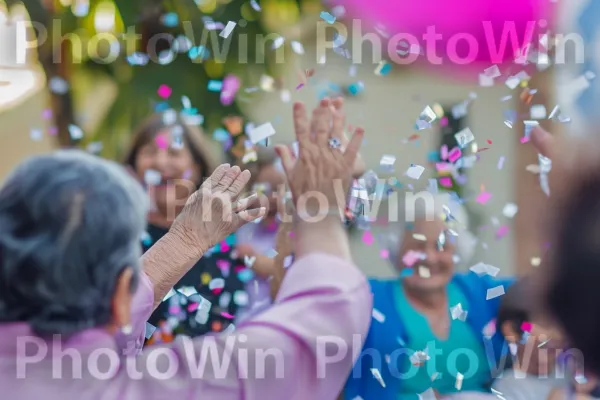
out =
column 303, row 347
column 142, row 306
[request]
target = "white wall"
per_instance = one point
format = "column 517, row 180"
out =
column 387, row 109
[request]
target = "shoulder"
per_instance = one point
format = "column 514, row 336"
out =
column 473, row 282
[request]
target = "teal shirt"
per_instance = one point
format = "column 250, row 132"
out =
column 461, row 352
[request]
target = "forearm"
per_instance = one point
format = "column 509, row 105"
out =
column 166, row 262
column 326, row 236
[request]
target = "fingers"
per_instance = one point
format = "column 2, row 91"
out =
column 354, row 146
column 249, row 215
column 239, row 184
column 216, row 176
column 264, row 266
column 301, row 126
column 287, row 159
column 544, row 142
column 250, row 202
column 321, row 123
column 228, row 179
column 339, row 120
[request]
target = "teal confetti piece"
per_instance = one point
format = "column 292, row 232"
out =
column 215, row 86
column 170, row 19
column 325, row 16
column 245, row 275
column 406, row 272
column 433, row 156
column 220, row 135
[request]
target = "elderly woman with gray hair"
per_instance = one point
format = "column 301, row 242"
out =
column 428, row 335
column 70, row 279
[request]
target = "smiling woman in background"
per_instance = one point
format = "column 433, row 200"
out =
column 420, row 330
column 172, row 158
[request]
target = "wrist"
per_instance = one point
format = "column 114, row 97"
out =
column 185, row 243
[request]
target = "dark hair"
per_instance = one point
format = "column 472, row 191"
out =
column 192, row 136
column 573, row 293
column 70, row 224
column 515, row 305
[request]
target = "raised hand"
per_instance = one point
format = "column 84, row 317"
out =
column 320, row 165
column 213, row 212
column 338, row 131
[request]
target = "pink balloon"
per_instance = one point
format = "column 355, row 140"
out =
column 470, row 31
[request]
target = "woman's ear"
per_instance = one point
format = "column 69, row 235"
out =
column 508, row 331
column 121, row 301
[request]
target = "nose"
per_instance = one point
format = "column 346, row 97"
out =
column 161, row 160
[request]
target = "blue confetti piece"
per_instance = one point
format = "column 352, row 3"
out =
column 161, row 107
column 356, row 88
column 149, row 330
column 245, row 275
column 170, row 19
column 230, row 240
column 220, row 135
column 215, row 86
column 325, row 16
column 385, row 69
column 406, row 272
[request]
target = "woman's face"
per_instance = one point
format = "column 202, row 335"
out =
column 434, row 267
column 175, row 165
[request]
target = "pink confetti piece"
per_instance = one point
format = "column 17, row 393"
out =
column 223, row 264
column 446, row 182
column 526, row 326
column 174, row 310
column 231, row 85
column 385, row 254
column 53, row 131
column 162, row 142
column 227, row 315
column 443, row 167
column 501, row 232
column 367, row 238
column 224, row 247
column 47, row 114
column 411, row 257
column 444, row 152
column 164, row 91
column 524, row 139
column 239, row 268
column 454, row 155
column 192, row 307
column 444, row 121
column 300, row 86
column 483, row 197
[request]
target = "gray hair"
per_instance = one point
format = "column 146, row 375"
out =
column 429, row 206
column 70, row 223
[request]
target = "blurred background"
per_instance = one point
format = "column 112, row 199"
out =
column 79, row 84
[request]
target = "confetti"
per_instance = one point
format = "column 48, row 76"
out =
column 164, row 91
column 492, row 72
column 215, row 86
column 446, row 182
column 419, row 236
column 500, row 162
column 58, row 85
column 483, row 197
column 278, row 42
column 526, row 326
column 502, row 231
column 537, row 111
column 494, row 292
column 171, row 293
column 203, row 311
column 36, row 134
column 377, row 376
column 454, row 155
column 458, row 313
column 406, row 272
column 367, row 238
column 149, row 330
column 464, row 137
column 378, row 316
column 536, row 261
column 459, row 381
column 187, row 291
column 415, row 171
column 330, row 19
column 529, row 125
column 297, row 47
column 228, row 29
column 419, row 357
column 260, row 133
column 75, row 132
column 255, row 5
column 387, row 162
column 383, row 68
column 152, row 177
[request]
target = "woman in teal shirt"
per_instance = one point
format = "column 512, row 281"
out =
column 428, row 334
